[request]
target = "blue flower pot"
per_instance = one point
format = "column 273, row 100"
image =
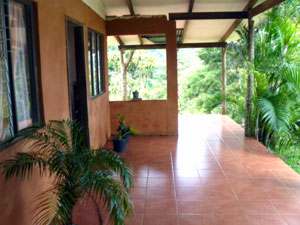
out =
column 119, row 145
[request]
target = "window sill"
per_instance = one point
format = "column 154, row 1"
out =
column 96, row 96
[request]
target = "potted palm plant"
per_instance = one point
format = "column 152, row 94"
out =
column 124, row 133
column 58, row 150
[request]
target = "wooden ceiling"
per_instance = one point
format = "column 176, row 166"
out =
column 197, row 21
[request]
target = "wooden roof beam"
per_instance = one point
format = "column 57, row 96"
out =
column 266, row 5
column 132, row 13
column 130, row 7
column 237, row 22
column 186, row 23
column 208, row 15
column 188, row 45
column 119, row 40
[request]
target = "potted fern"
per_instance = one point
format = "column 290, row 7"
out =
column 58, row 150
column 124, row 133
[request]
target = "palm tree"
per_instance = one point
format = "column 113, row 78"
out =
column 58, row 150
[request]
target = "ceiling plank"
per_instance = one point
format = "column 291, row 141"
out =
column 188, row 45
column 266, row 5
column 186, row 23
column 132, row 13
column 208, row 15
column 237, row 22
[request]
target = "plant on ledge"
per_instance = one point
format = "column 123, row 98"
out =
column 58, row 150
column 124, row 132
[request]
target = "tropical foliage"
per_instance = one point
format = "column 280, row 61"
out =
column 146, row 73
column 276, row 104
column 58, row 150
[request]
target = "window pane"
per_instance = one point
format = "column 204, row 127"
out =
column 94, row 64
column 90, row 64
column 20, row 64
column 99, row 63
column 5, row 112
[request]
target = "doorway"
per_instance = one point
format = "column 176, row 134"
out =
column 77, row 75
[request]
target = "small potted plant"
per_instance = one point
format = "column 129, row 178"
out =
column 124, row 132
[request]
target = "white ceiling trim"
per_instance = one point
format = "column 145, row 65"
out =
column 97, row 6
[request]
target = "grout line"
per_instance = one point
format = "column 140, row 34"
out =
column 174, row 184
column 145, row 201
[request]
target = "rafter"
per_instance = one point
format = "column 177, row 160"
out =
column 208, row 15
column 237, row 22
column 266, row 5
column 132, row 13
column 188, row 45
column 186, row 23
column 130, row 7
column 119, row 40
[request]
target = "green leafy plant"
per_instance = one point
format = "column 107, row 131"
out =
column 123, row 129
column 58, row 150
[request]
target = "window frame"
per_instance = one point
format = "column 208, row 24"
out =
column 96, row 40
column 32, row 65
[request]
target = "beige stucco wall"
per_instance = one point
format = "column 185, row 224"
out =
column 17, row 198
column 150, row 117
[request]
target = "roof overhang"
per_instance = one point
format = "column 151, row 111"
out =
column 197, row 21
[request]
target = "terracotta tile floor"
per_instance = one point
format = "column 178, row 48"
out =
column 209, row 174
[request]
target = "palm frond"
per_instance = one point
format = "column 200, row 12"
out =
column 113, row 162
column 292, row 75
column 22, row 164
column 274, row 114
column 55, row 205
column 106, row 189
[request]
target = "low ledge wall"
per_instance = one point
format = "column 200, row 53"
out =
column 149, row 117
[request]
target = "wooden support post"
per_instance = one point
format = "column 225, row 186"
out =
column 249, row 96
column 224, row 80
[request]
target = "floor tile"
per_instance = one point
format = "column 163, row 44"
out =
column 259, row 208
column 160, row 206
column 211, row 173
column 190, row 194
column 157, row 182
column 195, row 220
column 193, row 207
column 186, row 173
column 136, row 219
column 232, row 220
column 219, row 193
column 162, row 193
column 160, row 173
column 140, row 182
column 188, row 182
column 293, row 220
column 160, row 220
column 138, row 192
column 267, row 220
column 287, row 207
column 139, row 205
column 226, row 207
column 280, row 193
